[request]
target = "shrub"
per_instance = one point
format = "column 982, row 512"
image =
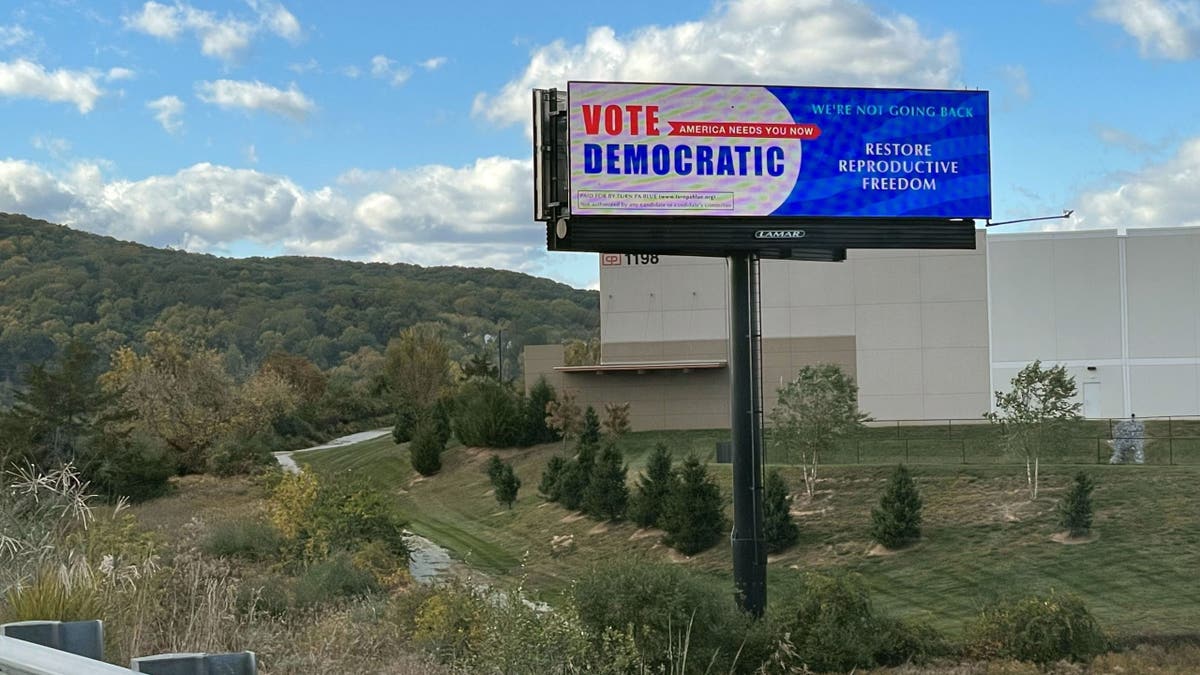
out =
column 488, row 413
column 694, row 513
column 653, row 486
column 67, row 593
column 591, row 427
column 243, row 538
column 507, row 485
column 135, row 468
column 1075, row 509
column 336, row 577
column 548, row 487
column 268, row 594
column 239, row 454
column 779, row 530
column 425, row 450
column 573, row 480
column 897, row 519
column 493, row 469
column 606, row 494
column 403, row 422
column 535, row 428
column 662, row 605
column 1041, row 629
column 316, row 517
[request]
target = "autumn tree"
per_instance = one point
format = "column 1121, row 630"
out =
column 616, row 419
column 564, row 416
column 1036, row 415
column 814, row 411
column 417, row 366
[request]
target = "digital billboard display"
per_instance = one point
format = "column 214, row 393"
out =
column 638, row 149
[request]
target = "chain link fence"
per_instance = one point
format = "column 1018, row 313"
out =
column 1168, row 441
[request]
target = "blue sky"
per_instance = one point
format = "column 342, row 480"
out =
column 398, row 131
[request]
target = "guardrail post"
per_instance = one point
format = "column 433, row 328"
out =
column 238, row 663
column 85, row 638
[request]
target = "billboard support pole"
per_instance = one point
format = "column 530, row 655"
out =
column 745, row 412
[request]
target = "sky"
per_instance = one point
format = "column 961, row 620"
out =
column 399, row 131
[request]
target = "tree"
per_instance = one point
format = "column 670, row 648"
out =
column 417, row 366
column 563, row 415
column 653, row 487
column 607, row 495
column 573, row 481
column 616, row 419
column 590, row 435
column 1075, row 509
column 480, row 365
column 779, row 530
column 694, row 515
column 507, row 483
column 1036, row 415
column 551, row 475
column 541, row 394
column 425, row 450
column 813, row 412
column 493, row 468
column 897, row 519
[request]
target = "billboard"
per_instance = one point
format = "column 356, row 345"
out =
column 687, row 150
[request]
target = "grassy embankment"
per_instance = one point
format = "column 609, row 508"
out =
column 982, row 537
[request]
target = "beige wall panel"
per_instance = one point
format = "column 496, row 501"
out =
column 1161, row 279
column 954, row 324
column 889, row 372
column 887, row 280
column 813, row 284
column 822, row 321
column 773, row 283
column 1164, row 390
column 1022, row 316
column 893, row 407
column 956, row 370
column 956, row 406
column 1087, row 298
column 949, row 278
column 695, row 324
column 896, row 326
column 776, row 322
column 692, row 287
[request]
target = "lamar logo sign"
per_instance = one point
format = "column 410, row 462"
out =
column 779, row 234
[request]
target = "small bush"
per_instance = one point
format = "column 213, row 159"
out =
column 425, row 450
column 606, row 495
column 897, row 519
column 653, row 486
column 536, row 430
column 243, row 538
column 902, row 641
column 239, row 455
column 591, row 427
column 493, row 469
column 135, row 468
column 331, row 579
column 548, row 487
column 1075, row 509
column 488, row 414
column 779, row 530
column 1041, row 629
column 507, row 484
column 694, row 513
column 831, row 623
column 268, row 595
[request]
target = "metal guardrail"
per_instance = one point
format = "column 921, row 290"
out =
column 18, row 657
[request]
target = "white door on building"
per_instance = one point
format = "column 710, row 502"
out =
column 1091, row 400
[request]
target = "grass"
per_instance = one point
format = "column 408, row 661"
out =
column 981, row 538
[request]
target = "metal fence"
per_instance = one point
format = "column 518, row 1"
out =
column 1168, row 441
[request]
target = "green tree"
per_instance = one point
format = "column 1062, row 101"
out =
column 1075, row 509
column 541, row 394
column 417, row 366
column 653, row 486
column 480, row 365
column 487, row 413
column 779, row 529
column 812, row 413
column 590, row 435
column 694, row 515
column 507, row 483
column 493, row 468
column 549, row 485
column 573, row 481
column 1036, row 415
column 425, row 450
column 897, row 519
column 607, row 495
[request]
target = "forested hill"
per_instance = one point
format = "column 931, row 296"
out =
column 57, row 283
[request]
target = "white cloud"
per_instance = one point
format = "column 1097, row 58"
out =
column 117, row 74
column 477, row 214
column 26, row 79
column 1018, row 81
column 230, row 94
column 11, row 36
column 433, row 63
column 384, row 68
column 167, row 110
column 1161, row 195
column 812, row 42
column 1168, row 29
column 251, row 154
column 56, row 147
column 225, row 38
column 309, row 66
column 352, row 72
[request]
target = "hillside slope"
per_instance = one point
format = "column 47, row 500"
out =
column 57, row 283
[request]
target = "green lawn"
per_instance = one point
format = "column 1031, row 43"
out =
column 982, row 538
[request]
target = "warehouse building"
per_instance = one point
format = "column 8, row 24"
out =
column 927, row 334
